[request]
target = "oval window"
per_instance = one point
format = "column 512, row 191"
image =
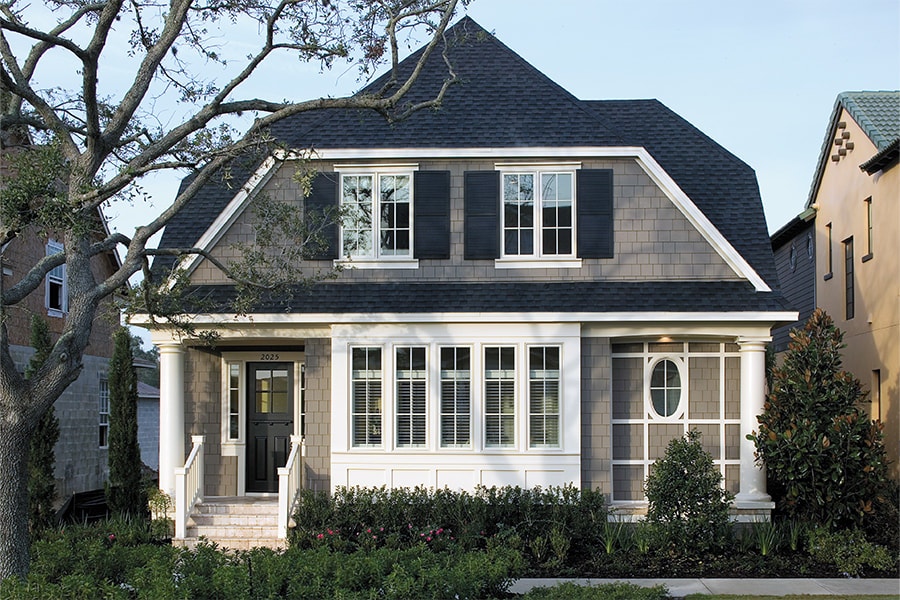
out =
column 665, row 388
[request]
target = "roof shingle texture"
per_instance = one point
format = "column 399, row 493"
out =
column 504, row 102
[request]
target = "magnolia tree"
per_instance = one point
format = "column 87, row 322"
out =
column 71, row 149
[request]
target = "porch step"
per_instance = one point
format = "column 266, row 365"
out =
column 238, row 523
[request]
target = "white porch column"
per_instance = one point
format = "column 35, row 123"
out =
column 753, row 395
column 171, row 413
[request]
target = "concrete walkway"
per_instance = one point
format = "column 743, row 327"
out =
column 759, row 587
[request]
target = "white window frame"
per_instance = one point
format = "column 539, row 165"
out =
column 652, row 363
column 103, row 413
column 378, row 258
column 412, row 415
column 560, row 395
column 500, row 415
column 385, row 366
column 455, row 415
column 56, row 277
column 538, row 258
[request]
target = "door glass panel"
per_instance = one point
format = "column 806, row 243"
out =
column 272, row 394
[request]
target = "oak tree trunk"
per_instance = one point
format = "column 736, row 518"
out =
column 14, row 537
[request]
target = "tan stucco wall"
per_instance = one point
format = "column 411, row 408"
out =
column 873, row 334
column 653, row 239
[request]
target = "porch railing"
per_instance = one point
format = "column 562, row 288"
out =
column 188, row 486
column 290, row 482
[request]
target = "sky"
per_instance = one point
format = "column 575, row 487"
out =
column 760, row 77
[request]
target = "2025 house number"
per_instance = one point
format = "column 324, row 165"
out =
column 268, row 357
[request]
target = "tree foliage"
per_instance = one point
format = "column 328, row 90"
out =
column 815, row 439
column 96, row 96
column 124, row 494
column 685, row 497
column 42, row 452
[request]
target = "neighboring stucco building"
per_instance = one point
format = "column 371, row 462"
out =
column 856, row 195
column 538, row 290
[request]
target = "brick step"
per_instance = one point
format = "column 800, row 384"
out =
column 218, row 533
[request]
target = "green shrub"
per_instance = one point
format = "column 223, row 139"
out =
column 554, row 525
column 817, row 443
column 607, row 591
column 848, row 550
column 685, row 498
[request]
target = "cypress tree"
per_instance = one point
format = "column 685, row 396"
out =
column 41, row 452
column 124, row 494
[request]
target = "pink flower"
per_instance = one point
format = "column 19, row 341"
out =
column 369, row 530
column 428, row 539
column 112, row 537
column 330, row 532
column 320, row 536
column 440, row 531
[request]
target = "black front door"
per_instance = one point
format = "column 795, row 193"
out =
column 270, row 422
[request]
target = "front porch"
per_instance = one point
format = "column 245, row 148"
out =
column 236, row 522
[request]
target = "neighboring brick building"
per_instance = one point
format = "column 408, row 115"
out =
column 473, row 338
column 81, row 453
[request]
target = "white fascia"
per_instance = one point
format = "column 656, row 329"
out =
column 659, row 176
column 288, row 319
column 234, row 209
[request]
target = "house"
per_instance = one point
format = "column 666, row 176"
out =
column 83, row 409
column 148, row 424
column 553, row 290
column 855, row 193
column 794, row 247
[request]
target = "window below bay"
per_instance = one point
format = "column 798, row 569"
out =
column 499, row 397
column 366, row 417
column 412, row 396
column 456, row 397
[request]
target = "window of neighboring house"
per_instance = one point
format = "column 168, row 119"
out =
column 57, row 294
column 876, row 394
column 665, row 388
column 828, row 253
column 543, row 396
column 868, row 255
column 538, row 214
column 412, row 397
column 499, row 396
column 456, row 397
column 104, row 413
column 810, row 247
column 366, row 410
column 793, row 256
column 849, row 303
column 377, row 215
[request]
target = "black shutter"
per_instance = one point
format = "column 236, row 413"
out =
column 322, row 202
column 431, row 213
column 595, row 213
column 482, row 208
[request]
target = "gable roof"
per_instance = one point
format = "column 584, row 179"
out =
column 504, row 102
column 878, row 115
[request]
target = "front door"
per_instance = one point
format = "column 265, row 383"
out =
column 270, row 422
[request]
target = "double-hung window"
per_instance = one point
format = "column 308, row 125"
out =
column 456, row 397
column 57, row 294
column 538, row 214
column 103, row 413
column 376, row 220
column 366, row 410
column 499, row 396
column 543, row 396
column 412, row 396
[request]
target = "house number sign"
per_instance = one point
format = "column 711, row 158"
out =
column 265, row 356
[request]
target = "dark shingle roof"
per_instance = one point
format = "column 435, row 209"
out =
column 505, row 102
column 505, row 297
